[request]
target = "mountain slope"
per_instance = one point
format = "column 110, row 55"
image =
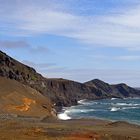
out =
column 21, row 100
column 100, row 85
column 120, row 90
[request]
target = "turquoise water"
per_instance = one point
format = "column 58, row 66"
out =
column 109, row 109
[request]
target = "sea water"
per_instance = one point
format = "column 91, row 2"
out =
column 108, row 109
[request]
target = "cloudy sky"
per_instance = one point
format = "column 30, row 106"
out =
column 74, row 39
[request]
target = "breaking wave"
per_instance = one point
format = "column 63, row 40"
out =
column 82, row 101
column 127, row 104
column 86, row 102
column 63, row 116
column 113, row 98
column 114, row 109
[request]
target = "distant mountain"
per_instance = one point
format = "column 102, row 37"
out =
column 61, row 92
column 100, row 85
column 120, row 90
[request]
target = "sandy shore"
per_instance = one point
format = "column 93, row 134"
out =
column 84, row 129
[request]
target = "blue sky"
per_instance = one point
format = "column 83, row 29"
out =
column 74, row 39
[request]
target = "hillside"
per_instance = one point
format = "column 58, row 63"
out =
column 120, row 90
column 61, row 92
column 21, row 100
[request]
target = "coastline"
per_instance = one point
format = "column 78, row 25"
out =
column 64, row 117
column 63, row 114
column 68, row 129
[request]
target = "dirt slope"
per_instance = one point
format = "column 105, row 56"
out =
column 18, row 99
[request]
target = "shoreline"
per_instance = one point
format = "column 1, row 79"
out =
column 62, row 114
column 64, row 117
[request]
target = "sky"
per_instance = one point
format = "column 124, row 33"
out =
column 74, row 39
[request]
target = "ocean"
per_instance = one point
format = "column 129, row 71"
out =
column 107, row 109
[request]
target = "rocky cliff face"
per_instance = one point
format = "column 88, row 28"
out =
column 61, row 92
column 67, row 92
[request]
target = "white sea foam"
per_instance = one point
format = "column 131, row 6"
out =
column 114, row 109
column 127, row 104
column 63, row 116
column 82, row 101
column 113, row 98
column 124, row 108
column 123, row 104
column 86, row 110
column 75, row 110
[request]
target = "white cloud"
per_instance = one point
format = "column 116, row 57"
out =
column 116, row 30
column 129, row 18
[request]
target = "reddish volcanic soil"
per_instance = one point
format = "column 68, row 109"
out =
column 67, row 130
